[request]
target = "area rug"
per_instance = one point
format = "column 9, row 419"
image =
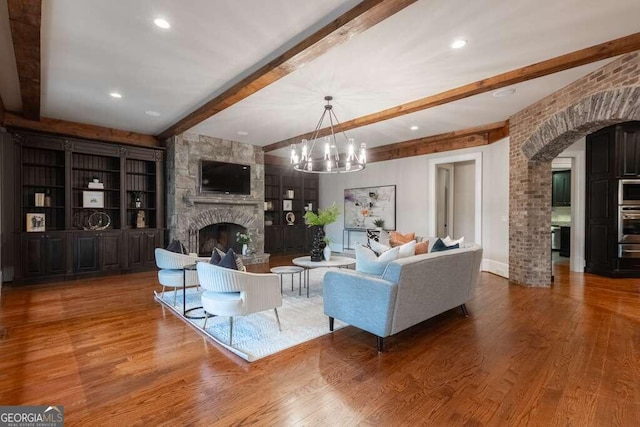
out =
column 256, row 335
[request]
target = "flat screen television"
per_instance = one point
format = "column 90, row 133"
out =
column 225, row 178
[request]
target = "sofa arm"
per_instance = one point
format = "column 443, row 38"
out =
column 360, row 300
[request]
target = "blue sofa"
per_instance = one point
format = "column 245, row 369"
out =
column 411, row 290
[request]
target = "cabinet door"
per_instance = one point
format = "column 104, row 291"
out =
column 55, row 261
column 628, row 151
column 150, row 241
column 273, row 239
column 561, row 188
column 110, row 251
column 141, row 247
column 86, row 251
column 294, row 238
column 33, row 255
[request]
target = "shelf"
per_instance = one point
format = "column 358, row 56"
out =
column 96, row 170
column 41, row 165
column 97, row 209
column 43, row 207
column 142, row 173
column 96, row 189
column 141, row 209
column 142, row 191
column 42, row 186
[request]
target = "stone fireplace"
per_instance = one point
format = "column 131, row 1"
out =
column 203, row 220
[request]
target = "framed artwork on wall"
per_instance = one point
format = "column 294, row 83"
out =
column 287, row 205
column 363, row 206
column 35, row 222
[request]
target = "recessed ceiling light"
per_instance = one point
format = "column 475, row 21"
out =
column 152, row 113
column 504, row 92
column 457, row 44
column 115, row 95
column 242, row 133
column 162, row 23
column 414, row 128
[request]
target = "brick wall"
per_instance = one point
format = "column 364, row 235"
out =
column 542, row 131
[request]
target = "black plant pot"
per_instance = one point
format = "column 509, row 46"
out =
column 318, row 244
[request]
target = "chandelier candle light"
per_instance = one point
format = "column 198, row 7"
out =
column 328, row 159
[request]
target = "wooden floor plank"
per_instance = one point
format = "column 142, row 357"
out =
column 104, row 348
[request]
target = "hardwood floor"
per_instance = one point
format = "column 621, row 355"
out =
column 569, row 355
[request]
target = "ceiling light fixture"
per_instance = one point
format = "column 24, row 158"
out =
column 162, row 23
column 115, row 95
column 152, row 113
column 457, row 44
column 504, row 92
column 414, row 128
column 328, row 159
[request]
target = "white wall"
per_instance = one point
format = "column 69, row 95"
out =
column 464, row 200
column 413, row 213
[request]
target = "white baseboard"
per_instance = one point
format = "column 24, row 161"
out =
column 495, row 267
column 577, row 264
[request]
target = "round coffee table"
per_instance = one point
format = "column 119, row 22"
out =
column 335, row 261
column 280, row 271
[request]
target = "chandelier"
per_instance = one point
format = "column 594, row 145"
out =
column 328, row 156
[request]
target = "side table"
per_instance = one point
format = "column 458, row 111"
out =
column 190, row 267
column 280, row 271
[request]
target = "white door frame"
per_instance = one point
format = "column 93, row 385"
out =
column 451, row 187
column 578, row 195
column 477, row 158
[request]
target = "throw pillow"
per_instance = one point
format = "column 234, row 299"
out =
column 215, row 257
column 450, row 242
column 368, row 262
column 422, row 247
column 229, row 260
column 373, row 235
column 378, row 247
column 439, row 246
column 407, row 249
column 239, row 263
column 397, row 239
column 177, row 247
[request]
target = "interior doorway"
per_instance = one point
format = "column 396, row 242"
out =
column 444, row 199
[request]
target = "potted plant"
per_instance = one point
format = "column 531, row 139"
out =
column 245, row 239
column 379, row 223
column 323, row 217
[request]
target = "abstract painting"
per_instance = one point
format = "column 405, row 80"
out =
column 363, row 206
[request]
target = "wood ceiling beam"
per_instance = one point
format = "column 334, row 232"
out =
column 80, row 130
column 24, row 19
column 362, row 17
column 585, row 56
column 465, row 138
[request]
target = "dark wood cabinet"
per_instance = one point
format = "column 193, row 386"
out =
column 561, row 188
column 565, row 241
column 97, row 251
column 43, row 254
column 627, row 140
column 612, row 153
column 141, row 247
column 95, row 195
column 282, row 182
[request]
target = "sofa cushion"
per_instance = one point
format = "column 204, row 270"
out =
column 177, row 247
column 406, row 249
column 239, row 263
column 397, row 239
column 439, row 245
column 368, row 262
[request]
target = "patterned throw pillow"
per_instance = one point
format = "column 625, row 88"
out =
column 229, row 260
column 373, row 235
column 215, row 257
column 397, row 239
column 177, row 247
column 368, row 262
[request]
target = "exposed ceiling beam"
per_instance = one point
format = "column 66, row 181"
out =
column 24, row 19
column 465, row 138
column 365, row 15
column 80, row 130
column 585, row 56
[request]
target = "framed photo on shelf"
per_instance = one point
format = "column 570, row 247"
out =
column 35, row 222
column 93, row 199
column 287, row 205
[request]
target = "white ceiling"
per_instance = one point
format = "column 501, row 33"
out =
column 92, row 47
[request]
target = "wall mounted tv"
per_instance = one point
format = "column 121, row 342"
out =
column 225, row 178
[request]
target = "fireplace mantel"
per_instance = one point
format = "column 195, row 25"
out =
column 192, row 200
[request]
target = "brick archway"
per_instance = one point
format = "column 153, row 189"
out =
column 538, row 134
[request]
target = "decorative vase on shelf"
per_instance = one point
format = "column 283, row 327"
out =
column 327, row 253
column 245, row 249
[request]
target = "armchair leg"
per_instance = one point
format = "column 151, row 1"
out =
column 331, row 323
column 230, row 330
column 380, row 344
column 162, row 294
column 277, row 318
column 175, row 295
column 463, row 307
column 206, row 317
